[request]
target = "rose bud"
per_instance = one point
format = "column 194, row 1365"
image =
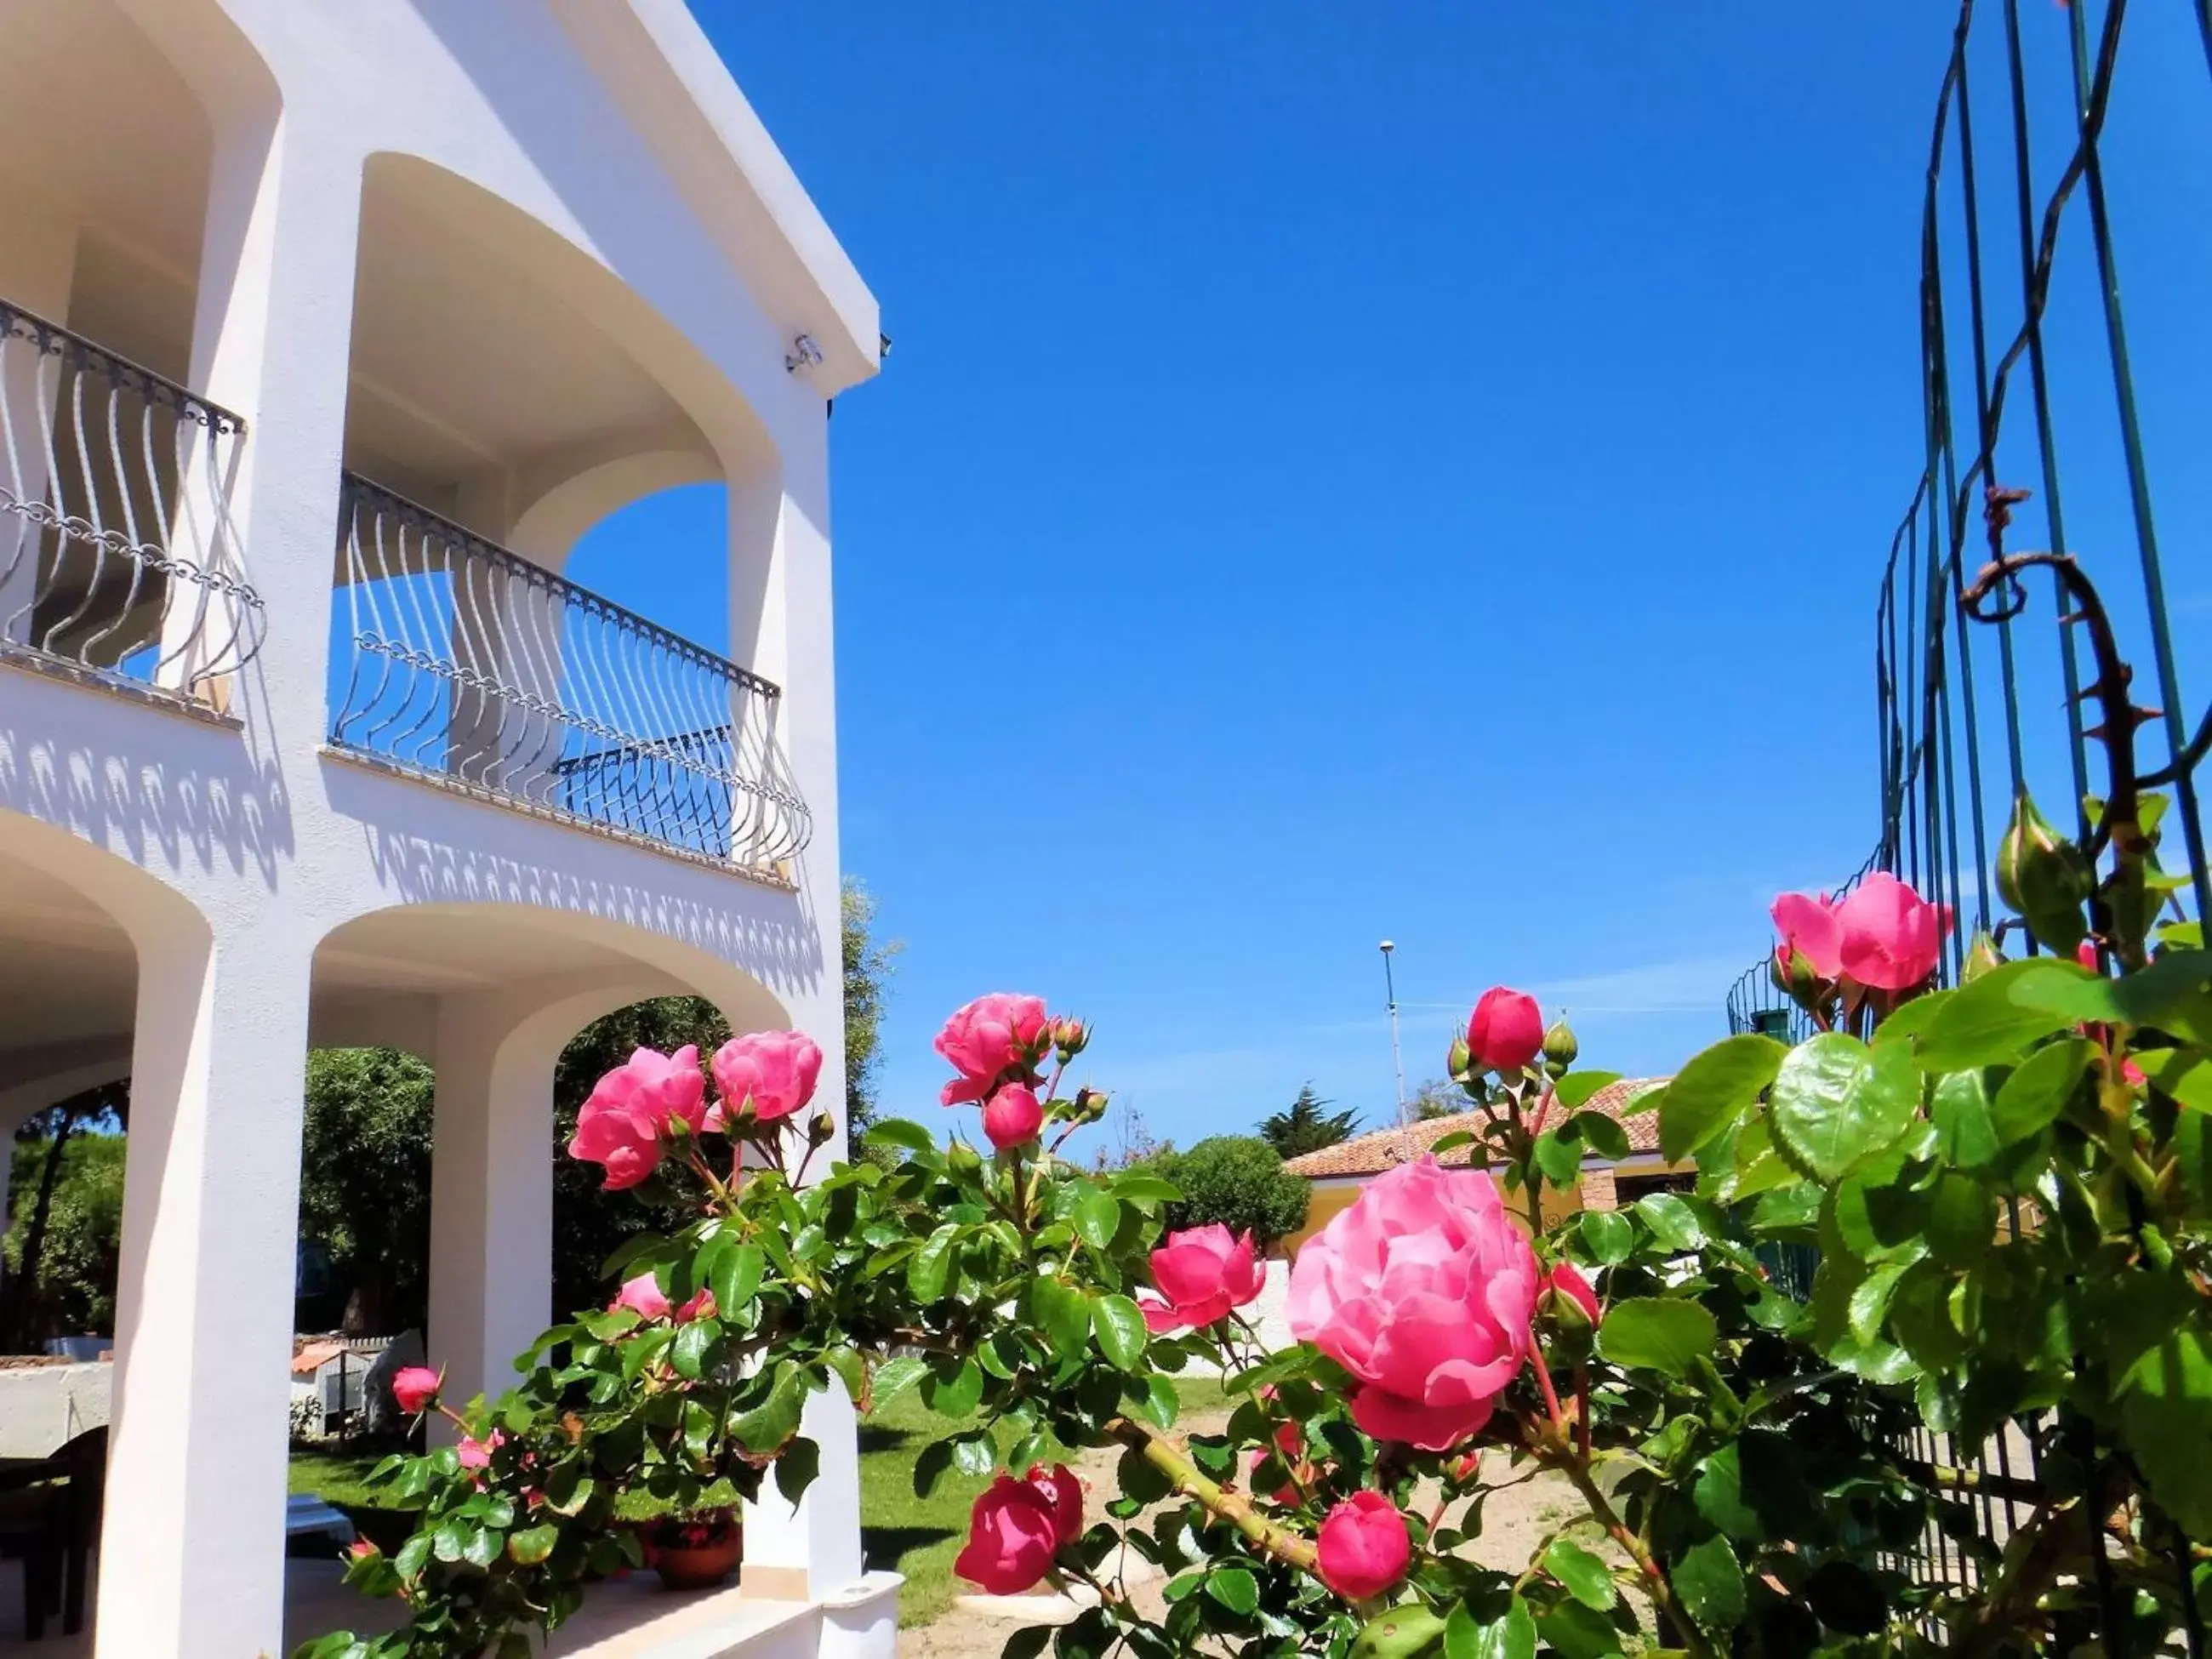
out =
column 1070, row 1037
column 2044, row 876
column 1506, row 1030
column 1981, row 955
column 1559, row 1045
column 1363, row 1547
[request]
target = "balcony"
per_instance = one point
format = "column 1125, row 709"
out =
column 460, row 664
column 118, row 564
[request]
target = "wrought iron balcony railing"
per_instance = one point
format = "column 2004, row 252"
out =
column 464, row 664
column 118, row 564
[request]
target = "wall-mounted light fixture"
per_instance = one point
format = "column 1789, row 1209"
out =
column 803, row 353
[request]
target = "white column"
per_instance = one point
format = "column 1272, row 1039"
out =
column 491, row 1194
column 38, row 266
column 781, row 626
column 192, row 1543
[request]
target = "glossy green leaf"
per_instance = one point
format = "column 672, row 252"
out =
column 1587, row 1578
column 1709, row 1582
column 956, row 1394
column 930, row 1269
column 900, row 1132
column 2182, row 1074
column 1120, row 1327
column 687, row 1354
column 1576, row 1632
column 894, row 1377
column 1673, row 1223
column 2166, row 1416
column 2038, row 1089
column 1965, row 1136
column 1714, row 1088
column 1602, row 1135
column 1400, row 1633
column 1836, row 1103
column 1981, row 1024
column 796, row 1469
column 775, row 1419
column 1097, row 1218
column 1559, row 1154
column 1656, row 1333
column 1575, row 1089
column 1234, row 1588
column 533, row 1543
column 1607, row 1235
column 1145, row 1190
column 1962, row 1219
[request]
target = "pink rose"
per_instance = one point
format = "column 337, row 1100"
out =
column 475, row 1454
column 630, row 1109
column 775, row 1070
column 1012, row 1532
column 1892, row 938
column 1203, row 1272
column 362, row 1548
column 1423, row 1290
column 1013, row 1116
column 1506, row 1031
column 992, row 1034
column 1064, row 1494
column 1289, row 1441
column 1807, row 926
column 415, row 1388
column 1566, row 1281
column 700, row 1306
column 642, row 1296
column 1363, row 1547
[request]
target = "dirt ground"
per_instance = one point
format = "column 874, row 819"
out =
column 1514, row 1521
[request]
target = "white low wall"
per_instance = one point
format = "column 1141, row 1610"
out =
column 42, row 1406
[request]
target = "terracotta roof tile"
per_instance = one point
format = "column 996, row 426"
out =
column 1384, row 1149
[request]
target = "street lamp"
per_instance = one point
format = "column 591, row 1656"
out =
column 1397, row 1061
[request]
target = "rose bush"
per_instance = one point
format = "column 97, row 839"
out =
column 2008, row 1182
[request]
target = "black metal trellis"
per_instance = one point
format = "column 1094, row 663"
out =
column 1970, row 713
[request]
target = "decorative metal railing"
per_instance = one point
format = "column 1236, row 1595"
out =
column 463, row 663
column 118, row 564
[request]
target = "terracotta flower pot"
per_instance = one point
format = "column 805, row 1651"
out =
column 701, row 1567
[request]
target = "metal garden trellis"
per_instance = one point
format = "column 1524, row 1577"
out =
column 1952, row 744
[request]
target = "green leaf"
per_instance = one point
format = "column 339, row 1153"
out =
column 1028, row 1642
column 1158, row 1403
column 1513, row 1637
column 735, row 1278
column 1145, row 1191
column 1718, row 1495
column 1608, row 1235
column 975, row 1454
column 1575, row 1089
column 1602, row 1135
column 1709, row 1582
column 894, row 1377
column 930, row 1269
column 930, row 1464
column 796, row 1469
column 959, row 1395
column 901, row 1132
column 1672, row 1221
column 1120, row 1325
column 1587, row 1578
column 1962, row 1219
column 484, row 1546
column 1576, row 1632
column 1065, row 1314
column 1965, row 1136
column 1097, row 1218
column 533, row 1543
column 775, row 1419
column 1236, row 1588
column 412, row 1554
column 1984, row 1024
column 1714, row 1090
column 688, row 1353
column 1836, row 1103
column 2166, row 1416
column 2182, row 1074
column 2037, row 1092
column 1560, row 1155
column 1452, row 1142
column 1656, row 1333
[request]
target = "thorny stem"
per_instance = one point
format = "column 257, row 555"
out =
column 1655, row 1575
column 1166, row 1455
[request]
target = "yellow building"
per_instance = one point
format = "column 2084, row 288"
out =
column 1338, row 1173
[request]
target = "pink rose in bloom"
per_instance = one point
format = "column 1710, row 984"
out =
column 1013, row 1116
column 642, row 1296
column 1423, row 1290
column 1012, row 1532
column 988, row 1036
column 475, row 1454
column 1566, row 1279
column 1893, row 937
column 1507, row 1031
column 1363, row 1547
column 1808, row 927
column 1064, row 1493
column 1203, row 1272
column 630, row 1109
column 776, row 1071
column 415, row 1388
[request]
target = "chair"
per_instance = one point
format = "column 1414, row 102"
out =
column 53, row 1525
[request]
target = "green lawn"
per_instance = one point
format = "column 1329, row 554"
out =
column 916, row 1536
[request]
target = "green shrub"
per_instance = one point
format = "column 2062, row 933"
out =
column 1238, row 1181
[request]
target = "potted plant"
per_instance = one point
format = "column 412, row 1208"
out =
column 694, row 1550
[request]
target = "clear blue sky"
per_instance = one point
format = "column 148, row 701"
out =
column 1417, row 469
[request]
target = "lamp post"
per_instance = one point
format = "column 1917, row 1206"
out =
column 1397, row 1061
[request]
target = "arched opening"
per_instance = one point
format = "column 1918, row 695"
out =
column 114, row 473
column 508, row 394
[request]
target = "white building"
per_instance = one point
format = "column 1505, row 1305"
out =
column 331, row 324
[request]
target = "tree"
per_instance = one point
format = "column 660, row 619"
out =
column 64, row 1245
column 868, row 966
column 1238, row 1181
column 1440, row 1097
column 1305, row 1128
column 365, row 1181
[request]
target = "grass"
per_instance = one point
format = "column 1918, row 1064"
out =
column 916, row 1536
